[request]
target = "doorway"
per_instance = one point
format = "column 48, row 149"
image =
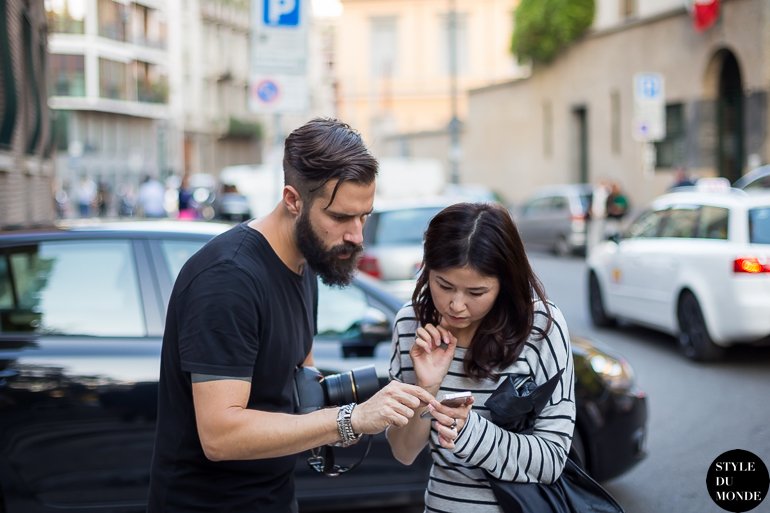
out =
column 730, row 119
column 580, row 143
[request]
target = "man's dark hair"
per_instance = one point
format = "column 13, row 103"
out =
column 484, row 237
column 326, row 149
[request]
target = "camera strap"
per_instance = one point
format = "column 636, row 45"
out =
column 322, row 460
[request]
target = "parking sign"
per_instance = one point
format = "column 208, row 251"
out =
column 278, row 75
column 281, row 13
column 649, row 107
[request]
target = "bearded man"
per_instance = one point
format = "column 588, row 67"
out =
column 241, row 318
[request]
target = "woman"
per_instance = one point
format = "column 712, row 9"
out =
column 479, row 314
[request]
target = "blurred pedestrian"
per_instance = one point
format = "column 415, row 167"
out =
column 103, row 198
column 478, row 315
column 85, row 194
column 241, row 319
column 681, row 179
column 617, row 207
column 186, row 204
column 152, row 197
column 597, row 214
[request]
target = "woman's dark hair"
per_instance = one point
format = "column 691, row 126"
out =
column 326, row 149
column 483, row 237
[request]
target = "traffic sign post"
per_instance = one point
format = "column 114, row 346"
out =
column 649, row 120
column 278, row 75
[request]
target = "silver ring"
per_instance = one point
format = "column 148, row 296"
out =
column 453, row 425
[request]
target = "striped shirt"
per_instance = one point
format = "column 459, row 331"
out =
column 458, row 480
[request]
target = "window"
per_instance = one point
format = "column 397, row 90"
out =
column 646, row 226
column 177, row 252
column 759, row 225
column 460, row 43
column 72, row 288
column 66, row 16
column 627, row 8
column 112, row 20
column 713, row 223
column 384, row 46
column 340, row 311
column 547, row 129
column 403, row 226
column 61, row 121
column 68, row 74
column 112, row 80
column 615, row 123
column 680, row 222
column 670, row 152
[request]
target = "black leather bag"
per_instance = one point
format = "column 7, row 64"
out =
column 514, row 406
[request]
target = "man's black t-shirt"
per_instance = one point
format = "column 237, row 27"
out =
column 236, row 310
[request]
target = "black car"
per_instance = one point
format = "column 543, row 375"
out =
column 81, row 319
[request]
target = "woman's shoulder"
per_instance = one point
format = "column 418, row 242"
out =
column 406, row 316
column 545, row 310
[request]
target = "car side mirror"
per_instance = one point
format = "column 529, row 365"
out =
column 615, row 237
column 372, row 328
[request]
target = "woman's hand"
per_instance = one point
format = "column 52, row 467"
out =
column 432, row 353
column 450, row 421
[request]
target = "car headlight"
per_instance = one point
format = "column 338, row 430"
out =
column 613, row 370
column 616, row 372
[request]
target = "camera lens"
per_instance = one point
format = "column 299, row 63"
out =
column 354, row 386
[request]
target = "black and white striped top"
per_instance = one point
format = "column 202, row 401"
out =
column 457, row 480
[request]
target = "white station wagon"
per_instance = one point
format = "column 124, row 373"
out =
column 695, row 265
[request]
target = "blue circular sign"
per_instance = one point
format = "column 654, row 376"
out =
column 267, row 91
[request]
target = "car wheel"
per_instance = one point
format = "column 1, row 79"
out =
column 562, row 248
column 599, row 315
column 694, row 339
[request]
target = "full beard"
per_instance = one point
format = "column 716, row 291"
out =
column 332, row 269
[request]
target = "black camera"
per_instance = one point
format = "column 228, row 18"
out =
column 313, row 391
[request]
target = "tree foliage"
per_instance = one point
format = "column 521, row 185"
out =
column 543, row 28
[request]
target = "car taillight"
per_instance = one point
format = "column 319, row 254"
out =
column 751, row 265
column 369, row 265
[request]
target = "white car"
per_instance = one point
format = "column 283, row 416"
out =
column 695, row 265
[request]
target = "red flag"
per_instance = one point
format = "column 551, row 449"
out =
column 705, row 13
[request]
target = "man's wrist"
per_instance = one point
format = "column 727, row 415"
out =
column 345, row 425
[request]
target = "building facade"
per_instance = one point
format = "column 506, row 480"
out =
column 573, row 120
column 404, row 66
column 26, row 149
column 210, row 62
column 109, row 63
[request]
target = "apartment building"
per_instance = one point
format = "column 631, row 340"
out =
column 26, row 149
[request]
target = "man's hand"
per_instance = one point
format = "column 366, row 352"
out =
column 394, row 405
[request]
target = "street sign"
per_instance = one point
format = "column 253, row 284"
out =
column 649, row 120
column 279, row 47
column 281, row 13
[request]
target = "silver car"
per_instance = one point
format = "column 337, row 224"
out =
column 555, row 218
column 393, row 237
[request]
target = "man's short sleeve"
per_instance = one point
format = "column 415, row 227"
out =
column 218, row 322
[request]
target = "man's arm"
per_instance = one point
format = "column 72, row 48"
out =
column 228, row 430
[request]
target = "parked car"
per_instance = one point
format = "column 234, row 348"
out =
column 231, row 205
column 81, row 319
column 695, row 264
column 758, row 179
column 555, row 218
column 393, row 237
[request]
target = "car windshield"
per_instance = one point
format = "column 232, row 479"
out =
column 759, row 225
column 405, row 226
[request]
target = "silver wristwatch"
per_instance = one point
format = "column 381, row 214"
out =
column 345, row 426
